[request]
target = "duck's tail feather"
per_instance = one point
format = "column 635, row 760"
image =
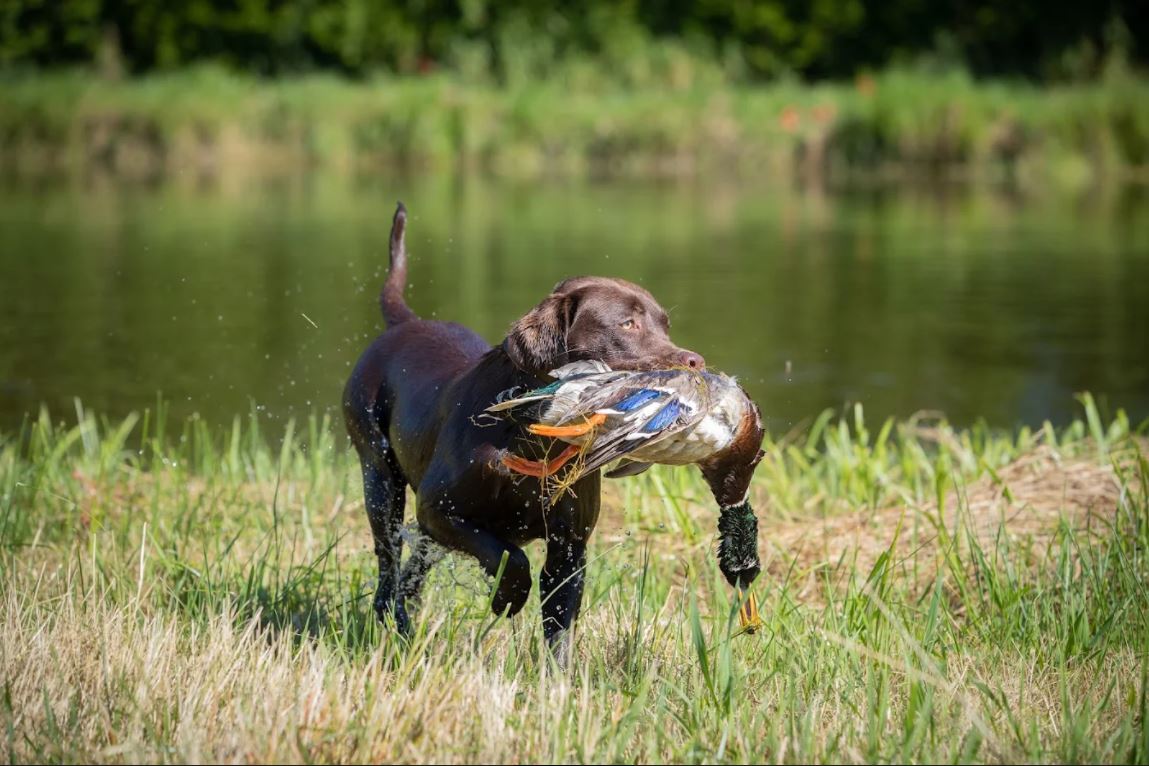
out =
column 537, row 395
column 628, row 468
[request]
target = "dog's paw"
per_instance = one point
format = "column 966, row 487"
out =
column 514, row 586
column 561, row 645
column 393, row 614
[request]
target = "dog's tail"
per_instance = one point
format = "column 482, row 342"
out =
column 391, row 300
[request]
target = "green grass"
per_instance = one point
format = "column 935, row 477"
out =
column 176, row 592
column 681, row 117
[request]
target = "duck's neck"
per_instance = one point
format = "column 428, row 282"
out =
column 728, row 474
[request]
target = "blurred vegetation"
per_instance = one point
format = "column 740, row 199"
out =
column 517, row 38
column 818, row 89
column 685, row 119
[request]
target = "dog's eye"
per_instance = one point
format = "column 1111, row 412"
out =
column 629, row 324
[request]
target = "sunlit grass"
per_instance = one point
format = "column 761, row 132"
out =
column 177, row 592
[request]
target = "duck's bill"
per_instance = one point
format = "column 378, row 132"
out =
column 748, row 614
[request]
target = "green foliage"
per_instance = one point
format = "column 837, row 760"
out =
column 520, row 38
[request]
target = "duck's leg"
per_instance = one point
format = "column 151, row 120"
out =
column 748, row 613
column 594, row 421
column 538, row 468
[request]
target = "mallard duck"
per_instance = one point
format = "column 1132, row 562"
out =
column 673, row 417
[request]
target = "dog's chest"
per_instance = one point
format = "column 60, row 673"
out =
column 518, row 510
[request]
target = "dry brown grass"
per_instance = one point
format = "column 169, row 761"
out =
column 1028, row 501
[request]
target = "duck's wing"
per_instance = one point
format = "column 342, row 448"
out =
column 509, row 399
column 581, row 367
column 628, row 468
column 583, row 389
column 657, row 419
column 570, row 388
column 623, row 394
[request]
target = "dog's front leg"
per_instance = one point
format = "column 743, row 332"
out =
column 492, row 553
column 560, row 588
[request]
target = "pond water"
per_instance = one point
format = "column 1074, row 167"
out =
column 229, row 295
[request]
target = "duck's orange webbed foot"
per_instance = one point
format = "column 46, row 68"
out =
column 594, row 421
column 538, row 468
column 748, row 614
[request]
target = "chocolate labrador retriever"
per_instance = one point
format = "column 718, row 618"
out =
column 413, row 405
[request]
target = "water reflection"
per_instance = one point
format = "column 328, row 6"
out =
column 231, row 294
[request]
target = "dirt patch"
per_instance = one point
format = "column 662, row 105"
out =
column 1023, row 504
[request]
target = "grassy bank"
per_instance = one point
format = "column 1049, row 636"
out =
column 175, row 593
column 681, row 119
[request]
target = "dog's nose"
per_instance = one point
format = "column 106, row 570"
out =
column 692, row 360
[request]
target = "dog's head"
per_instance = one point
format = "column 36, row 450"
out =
column 611, row 320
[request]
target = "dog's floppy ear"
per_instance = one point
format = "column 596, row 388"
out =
column 538, row 341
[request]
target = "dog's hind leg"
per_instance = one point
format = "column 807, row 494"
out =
column 384, row 491
column 384, row 487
